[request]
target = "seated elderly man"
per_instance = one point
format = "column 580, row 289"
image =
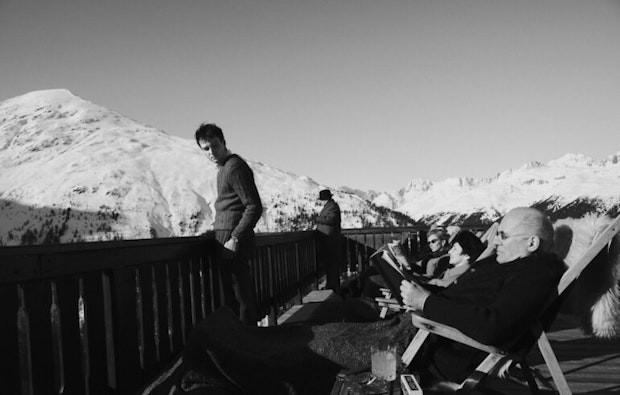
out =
column 494, row 301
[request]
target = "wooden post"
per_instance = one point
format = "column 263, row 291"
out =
column 24, row 344
column 298, row 270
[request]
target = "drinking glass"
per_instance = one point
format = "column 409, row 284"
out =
column 383, row 358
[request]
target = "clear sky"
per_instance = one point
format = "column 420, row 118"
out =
column 363, row 93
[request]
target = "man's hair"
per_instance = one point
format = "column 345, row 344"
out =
column 539, row 224
column 209, row 131
column 441, row 234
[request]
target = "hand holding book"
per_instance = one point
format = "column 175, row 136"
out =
column 393, row 270
column 413, row 295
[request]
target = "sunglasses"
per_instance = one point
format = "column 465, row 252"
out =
column 433, row 241
column 503, row 236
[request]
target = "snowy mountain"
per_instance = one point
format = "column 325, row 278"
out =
column 76, row 171
column 73, row 171
column 568, row 186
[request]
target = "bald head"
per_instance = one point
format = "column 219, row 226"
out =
column 522, row 232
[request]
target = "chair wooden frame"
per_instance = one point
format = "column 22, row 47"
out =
column 497, row 356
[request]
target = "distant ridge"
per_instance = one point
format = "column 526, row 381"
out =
column 570, row 185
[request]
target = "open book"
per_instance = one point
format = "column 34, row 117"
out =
column 397, row 251
column 393, row 267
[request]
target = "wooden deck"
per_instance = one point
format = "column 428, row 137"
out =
column 591, row 366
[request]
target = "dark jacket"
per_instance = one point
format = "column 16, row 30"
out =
column 328, row 221
column 492, row 303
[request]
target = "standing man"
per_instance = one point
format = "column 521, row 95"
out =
column 328, row 226
column 237, row 210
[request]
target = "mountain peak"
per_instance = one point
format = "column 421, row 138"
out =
column 572, row 160
column 418, row 184
column 41, row 97
column 532, row 165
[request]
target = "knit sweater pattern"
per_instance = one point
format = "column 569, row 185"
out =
column 238, row 206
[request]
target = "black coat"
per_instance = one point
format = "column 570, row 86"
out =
column 492, row 303
column 328, row 221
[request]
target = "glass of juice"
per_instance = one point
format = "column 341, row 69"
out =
column 383, row 361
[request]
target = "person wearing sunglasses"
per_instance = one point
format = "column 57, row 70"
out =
column 494, row 300
column 465, row 248
column 434, row 261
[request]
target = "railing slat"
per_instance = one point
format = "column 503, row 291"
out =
column 24, row 345
column 57, row 352
column 106, row 286
column 92, row 333
column 182, row 304
column 169, row 310
column 129, row 372
column 192, row 294
column 84, row 339
column 139, row 316
column 203, row 291
column 155, row 311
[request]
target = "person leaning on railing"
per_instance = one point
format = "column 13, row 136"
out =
column 493, row 301
column 238, row 208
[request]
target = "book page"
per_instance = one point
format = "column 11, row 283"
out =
column 396, row 250
column 388, row 258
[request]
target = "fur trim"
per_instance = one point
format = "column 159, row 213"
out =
column 595, row 298
column 606, row 314
column 606, row 311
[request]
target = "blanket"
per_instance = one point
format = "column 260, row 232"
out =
column 224, row 356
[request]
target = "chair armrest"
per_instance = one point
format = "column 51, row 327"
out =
column 451, row 333
column 390, row 303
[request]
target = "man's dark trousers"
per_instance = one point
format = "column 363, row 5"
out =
column 237, row 281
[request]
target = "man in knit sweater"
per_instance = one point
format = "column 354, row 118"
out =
column 493, row 302
column 237, row 210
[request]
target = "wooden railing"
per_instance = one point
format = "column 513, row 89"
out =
column 105, row 317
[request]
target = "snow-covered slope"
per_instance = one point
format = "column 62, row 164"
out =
column 558, row 186
column 73, row 170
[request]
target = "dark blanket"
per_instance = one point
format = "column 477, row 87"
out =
column 224, row 356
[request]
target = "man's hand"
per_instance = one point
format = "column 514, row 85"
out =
column 413, row 295
column 230, row 248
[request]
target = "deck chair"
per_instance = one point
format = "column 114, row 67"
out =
column 497, row 357
column 386, row 302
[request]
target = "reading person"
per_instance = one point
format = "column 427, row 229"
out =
column 465, row 248
column 435, row 261
column 237, row 210
column 493, row 301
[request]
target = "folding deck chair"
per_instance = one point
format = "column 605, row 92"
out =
column 497, row 357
